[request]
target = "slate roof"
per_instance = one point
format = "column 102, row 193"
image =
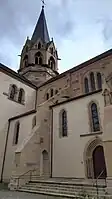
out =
column 41, row 31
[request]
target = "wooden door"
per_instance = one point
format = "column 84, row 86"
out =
column 99, row 165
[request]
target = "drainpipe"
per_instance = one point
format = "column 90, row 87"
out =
column 5, row 150
column 36, row 99
column 51, row 140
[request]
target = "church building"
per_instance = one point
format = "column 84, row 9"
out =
column 55, row 125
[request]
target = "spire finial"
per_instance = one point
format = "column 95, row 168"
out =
column 41, row 30
column 43, row 3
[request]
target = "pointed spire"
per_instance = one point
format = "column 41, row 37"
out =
column 41, row 31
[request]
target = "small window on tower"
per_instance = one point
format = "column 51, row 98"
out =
column 52, row 51
column 26, row 60
column 38, row 58
column 52, row 63
column 56, row 91
column 39, row 45
column 40, row 61
column 47, row 96
column 51, row 92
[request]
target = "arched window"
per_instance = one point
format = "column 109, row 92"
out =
column 56, row 91
column 26, row 61
column 38, row 58
column 45, row 163
column 26, row 49
column 92, row 81
column 107, row 97
column 86, row 85
column 63, row 123
column 94, row 118
column 52, row 63
column 16, row 133
column 51, row 49
column 34, row 122
column 13, row 92
column 99, row 81
column 51, row 92
column 21, row 97
column 39, row 45
column 47, row 96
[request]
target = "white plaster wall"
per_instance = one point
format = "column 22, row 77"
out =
column 68, row 152
column 10, row 108
column 24, row 132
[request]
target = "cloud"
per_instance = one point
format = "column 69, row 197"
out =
column 18, row 19
column 107, row 29
column 82, row 27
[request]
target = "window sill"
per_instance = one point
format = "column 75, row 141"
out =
column 91, row 134
column 16, row 101
column 14, row 145
column 62, row 137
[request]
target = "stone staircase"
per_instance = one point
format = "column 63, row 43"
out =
column 68, row 189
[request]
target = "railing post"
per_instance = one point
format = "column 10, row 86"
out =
column 18, row 183
column 30, row 175
column 97, row 183
column 97, row 188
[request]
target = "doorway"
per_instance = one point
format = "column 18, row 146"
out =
column 45, row 159
column 95, row 166
column 99, row 165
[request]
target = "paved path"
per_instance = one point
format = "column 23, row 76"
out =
column 20, row 195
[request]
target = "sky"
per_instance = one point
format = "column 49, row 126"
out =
column 81, row 29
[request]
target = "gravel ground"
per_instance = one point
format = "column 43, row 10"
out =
column 5, row 194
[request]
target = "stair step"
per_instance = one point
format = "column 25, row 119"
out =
column 50, row 194
column 69, row 195
column 72, row 192
column 54, row 191
column 73, row 188
column 65, row 185
column 69, row 189
column 64, row 188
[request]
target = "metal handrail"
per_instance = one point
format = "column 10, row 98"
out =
column 30, row 175
column 24, row 174
column 100, row 174
column 97, row 180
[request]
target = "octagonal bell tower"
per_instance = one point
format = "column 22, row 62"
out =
column 39, row 57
